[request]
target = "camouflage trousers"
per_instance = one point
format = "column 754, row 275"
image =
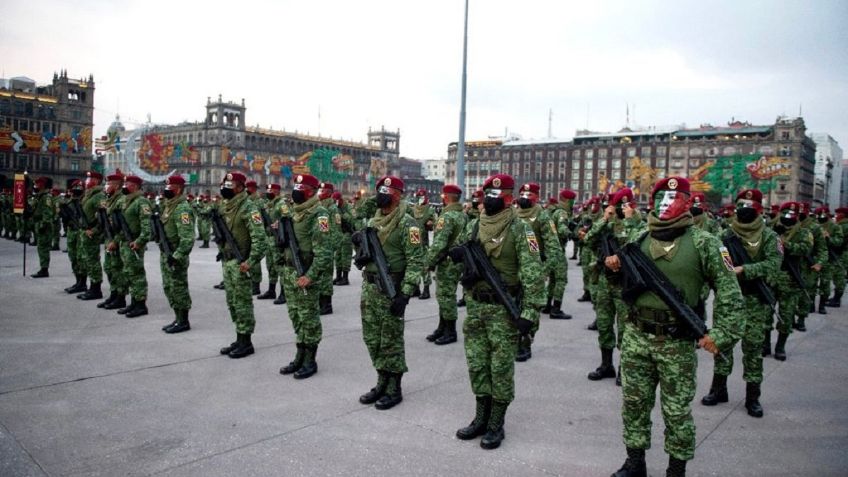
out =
column 447, row 279
column 272, row 257
column 302, row 308
column 610, row 310
column 557, row 278
column 57, row 233
column 239, row 298
column 44, row 242
column 382, row 331
column 811, row 278
column 344, row 254
column 426, row 276
column 135, row 278
column 175, row 283
column 73, row 241
column 646, row 361
column 255, row 273
column 491, row 342
column 827, row 277
column 89, row 257
column 839, row 274
column 113, row 267
column 203, row 229
column 791, row 302
column 757, row 317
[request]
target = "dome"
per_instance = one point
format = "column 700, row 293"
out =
column 116, row 126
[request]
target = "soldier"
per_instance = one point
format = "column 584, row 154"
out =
column 135, row 211
column 764, row 255
column 618, row 223
column 833, row 238
column 382, row 317
column 242, row 217
column 203, row 225
column 700, row 214
column 423, row 213
column 57, row 222
column 590, row 211
column 563, row 220
column 772, row 215
column 178, row 225
column 256, row 271
column 840, row 266
column 271, row 202
column 112, row 263
column 472, row 214
column 344, row 252
column 42, row 219
column 312, row 229
column 798, row 243
column 544, row 228
column 449, row 229
column 73, row 232
column 92, row 236
column 491, row 334
column 281, row 209
column 363, row 210
column 812, row 269
column 325, row 282
column 657, row 348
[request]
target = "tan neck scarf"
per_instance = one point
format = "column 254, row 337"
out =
column 493, row 230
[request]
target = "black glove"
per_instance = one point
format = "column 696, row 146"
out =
column 172, row 262
column 524, row 326
column 399, row 305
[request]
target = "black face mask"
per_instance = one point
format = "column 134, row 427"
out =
column 384, row 200
column 76, row 193
column 802, row 217
column 493, row 205
column 269, row 196
column 696, row 211
column 125, row 191
column 228, row 193
column 168, row 194
column 822, row 220
column 788, row 222
column 746, row 215
column 475, row 204
column 298, row 196
column 525, row 203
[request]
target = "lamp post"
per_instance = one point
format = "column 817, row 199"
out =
column 460, row 145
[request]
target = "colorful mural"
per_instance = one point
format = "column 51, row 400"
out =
column 325, row 164
column 47, row 142
column 728, row 174
column 155, row 155
column 641, row 177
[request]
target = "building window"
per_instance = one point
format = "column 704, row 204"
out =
column 526, row 168
column 562, row 167
column 587, row 185
column 588, row 165
column 590, row 154
column 661, row 150
column 576, row 154
column 575, row 165
column 602, row 164
column 75, row 165
column 563, row 154
column 660, row 162
column 602, row 153
column 631, row 152
column 575, row 184
column 616, row 174
column 616, row 153
column 677, row 164
column 646, row 151
column 784, row 135
column 616, row 164
column 785, row 151
column 550, row 167
column 678, row 152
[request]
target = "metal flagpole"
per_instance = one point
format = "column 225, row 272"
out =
column 460, row 145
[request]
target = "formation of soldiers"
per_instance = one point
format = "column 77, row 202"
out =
column 648, row 274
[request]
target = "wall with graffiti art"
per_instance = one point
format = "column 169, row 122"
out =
column 46, row 142
column 327, row 165
column 728, row 175
column 156, row 155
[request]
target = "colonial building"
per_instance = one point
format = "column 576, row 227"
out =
column 828, row 167
column 46, row 130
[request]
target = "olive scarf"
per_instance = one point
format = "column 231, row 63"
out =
column 665, row 234
column 387, row 223
column 493, row 230
column 750, row 234
column 302, row 210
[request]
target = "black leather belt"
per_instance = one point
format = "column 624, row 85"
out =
column 490, row 297
column 656, row 322
column 374, row 278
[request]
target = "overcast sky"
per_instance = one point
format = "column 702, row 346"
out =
column 397, row 63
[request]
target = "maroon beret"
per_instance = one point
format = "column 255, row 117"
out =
column 94, row 175
column 622, row 196
column 477, row 194
column 499, row 181
column 251, row 184
column 326, row 185
column 175, row 179
column 530, row 187
column 679, row 184
column 235, row 177
column 750, row 194
column 134, row 179
column 822, row 210
column 567, row 194
column 390, row 181
column 421, row 193
column 793, row 206
column 451, row 189
column 275, row 188
column 306, row 180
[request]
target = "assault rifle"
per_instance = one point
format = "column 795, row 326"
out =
column 159, row 232
column 68, row 216
column 476, row 267
column 266, row 221
column 103, row 220
column 223, row 236
column 740, row 257
column 369, row 249
column 286, row 239
column 793, row 268
column 118, row 217
column 609, row 247
column 154, row 232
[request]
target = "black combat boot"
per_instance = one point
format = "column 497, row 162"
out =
column 182, row 324
column 243, row 347
column 585, row 297
column 93, row 292
column 173, row 323
column 780, row 347
column 112, row 296
column 77, row 287
column 270, row 294
column 416, row 291
column 557, row 313
column 606, row 369
column 256, row 290
column 547, row 308
column 338, row 276
column 767, row 344
column 812, row 305
column 119, row 302
column 676, row 467
column 127, row 309
column 296, row 363
column 822, row 309
column 618, row 375
column 377, row 391
column 449, row 333
column 42, row 273
column 425, row 293
column 481, row 419
column 461, row 302
column 394, row 393
column 752, row 400
column 344, row 279
column 494, row 429
column 634, row 466
column 325, row 304
column 235, row 344
column 718, row 391
column 438, row 332
column 219, row 286
column 593, row 325
column 281, row 299
column 836, row 301
column 525, row 351
column 800, row 325
column 139, row 310
column 205, row 244
column 309, row 367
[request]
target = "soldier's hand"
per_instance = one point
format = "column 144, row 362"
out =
column 303, row 281
column 275, row 225
column 172, row 262
column 738, row 270
column 609, row 212
column 89, row 233
column 613, row 263
column 244, row 267
column 708, row 344
column 817, row 267
column 112, row 246
column 628, row 211
column 134, row 246
column 398, row 306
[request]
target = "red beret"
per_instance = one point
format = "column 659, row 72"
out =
column 567, row 194
column 307, row 180
column 842, row 210
column 822, row 210
column 451, row 189
column 552, row 200
column 44, row 181
column 477, row 194
column 275, row 188
column 622, row 196
column 337, row 196
column 793, row 206
column 326, row 185
column 699, row 197
column 530, row 187
column 804, row 207
column 75, row 183
column 679, row 184
column 390, row 181
column 775, row 207
column 750, row 194
column 235, row 177
column 94, row 175
column 117, row 176
column 175, row 179
column 499, row 181
column 134, row 179
column 251, row 184
column 421, row 192
column 190, row 197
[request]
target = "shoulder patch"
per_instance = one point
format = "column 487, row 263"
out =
column 284, row 209
column 780, row 246
column 725, row 258
column 337, row 219
column 324, row 223
column 185, row 218
column 553, row 227
column 532, row 243
column 414, row 235
column 440, row 224
column 256, row 217
column 103, row 204
column 145, row 209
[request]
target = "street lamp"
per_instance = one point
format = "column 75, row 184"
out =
column 460, row 146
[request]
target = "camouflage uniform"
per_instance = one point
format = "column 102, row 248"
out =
column 112, row 264
column 178, row 223
column 57, row 223
column 136, row 211
column 563, row 220
column 271, row 252
column 363, row 210
column 797, row 242
column 816, row 256
column 344, row 252
column 256, row 268
column 42, row 218
column 89, row 247
column 204, row 226
column 833, row 238
column 449, row 228
column 72, row 238
column 325, row 281
column 425, row 217
column 841, row 265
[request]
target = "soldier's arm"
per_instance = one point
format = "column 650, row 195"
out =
column 440, row 239
column 144, row 213
column 258, row 240
column 413, row 251
column 800, row 245
column 553, row 248
column 728, row 321
column 530, row 272
column 836, row 237
column 820, row 246
column 770, row 264
column 593, row 235
column 185, row 232
column 322, row 248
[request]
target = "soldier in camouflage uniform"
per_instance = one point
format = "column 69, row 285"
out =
column 311, row 224
column 811, row 270
column 204, row 227
column 841, row 264
column 344, row 252
column 112, row 264
column 271, row 201
column 562, row 215
column 491, row 334
column 92, row 236
column 135, row 209
column 72, row 233
column 545, row 231
column 590, row 211
column 243, row 219
column 42, row 219
column 57, row 221
column 363, row 210
column 656, row 348
column 449, row 228
column 473, row 216
column 423, row 213
column 620, row 222
column 382, row 317
column 701, row 216
column 833, row 239
column 281, row 209
column 325, row 282
column 764, row 257
column 178, row 223
column 256, row 270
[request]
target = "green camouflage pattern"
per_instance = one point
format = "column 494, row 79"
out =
column 449, row 228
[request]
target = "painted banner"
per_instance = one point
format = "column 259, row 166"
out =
column 20, row 195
